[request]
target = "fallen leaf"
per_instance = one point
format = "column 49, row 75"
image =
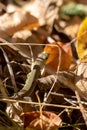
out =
column 81, row 45
column 45, row 11
column 58, row 57
column 81, row 79
column 26, row 36
column 12, row 22
column 32, row 120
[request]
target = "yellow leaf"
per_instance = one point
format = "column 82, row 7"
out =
column 81, row 45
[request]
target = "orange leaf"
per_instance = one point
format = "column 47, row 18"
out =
column 58, row 56
column 49, row 119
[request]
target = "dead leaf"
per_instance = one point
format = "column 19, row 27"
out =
column 10, row 23
column 32, row 120
column 45, row 83
column 45, row 11
column 81, row 44
column 74, row 81
column 64, row 79
column 26, row 36
column 81, row 79
column 57, row 58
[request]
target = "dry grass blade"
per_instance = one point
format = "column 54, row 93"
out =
column 10, row 70
column 41, row 115
column 7, row 123
column 82, row 109
column 36, row 103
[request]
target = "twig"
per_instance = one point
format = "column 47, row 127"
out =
column 37, row 44
column 36, row 103
column 81, row 107
column 31, row 52
column 63, row 95
column 58, row 67
column 10, row 70
column 41, row 115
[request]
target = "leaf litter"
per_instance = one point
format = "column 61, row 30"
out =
column 28, row 32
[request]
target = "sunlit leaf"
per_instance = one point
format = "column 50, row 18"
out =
column 58, row 57
column 81, row 45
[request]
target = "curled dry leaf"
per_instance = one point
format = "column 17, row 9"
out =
column 45, row 11
column 64, row 79
column 58, row 57
column 74, row 81
column 49, row 120
column 45, row 83
column 81, row 79
column 10, row 23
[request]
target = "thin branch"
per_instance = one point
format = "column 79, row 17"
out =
column 36, row 103
column 81, row 107
column 10, row 70
column 40, row 107
column 58, row 67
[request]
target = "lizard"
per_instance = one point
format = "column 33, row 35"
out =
column 32, row 77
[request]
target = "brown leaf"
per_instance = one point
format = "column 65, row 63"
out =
column 46, row 12
column 74, row 81
column 26, row 36
column 32, row 120
column 64, row 79
column 81, row 79
column 45, row 83
column 10, row 23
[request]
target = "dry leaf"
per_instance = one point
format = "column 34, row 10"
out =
column 45, row 83
column 66, row 47
column 32, row 120
column 81, row 44
column 10, row 23
column 58, row 57
column 45, row 11
column 74, row 81
column 11, row 8
column 26, row 36
column 81, row 79
column 64, row 79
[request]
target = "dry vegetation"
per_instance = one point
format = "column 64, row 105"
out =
column 43, row 65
